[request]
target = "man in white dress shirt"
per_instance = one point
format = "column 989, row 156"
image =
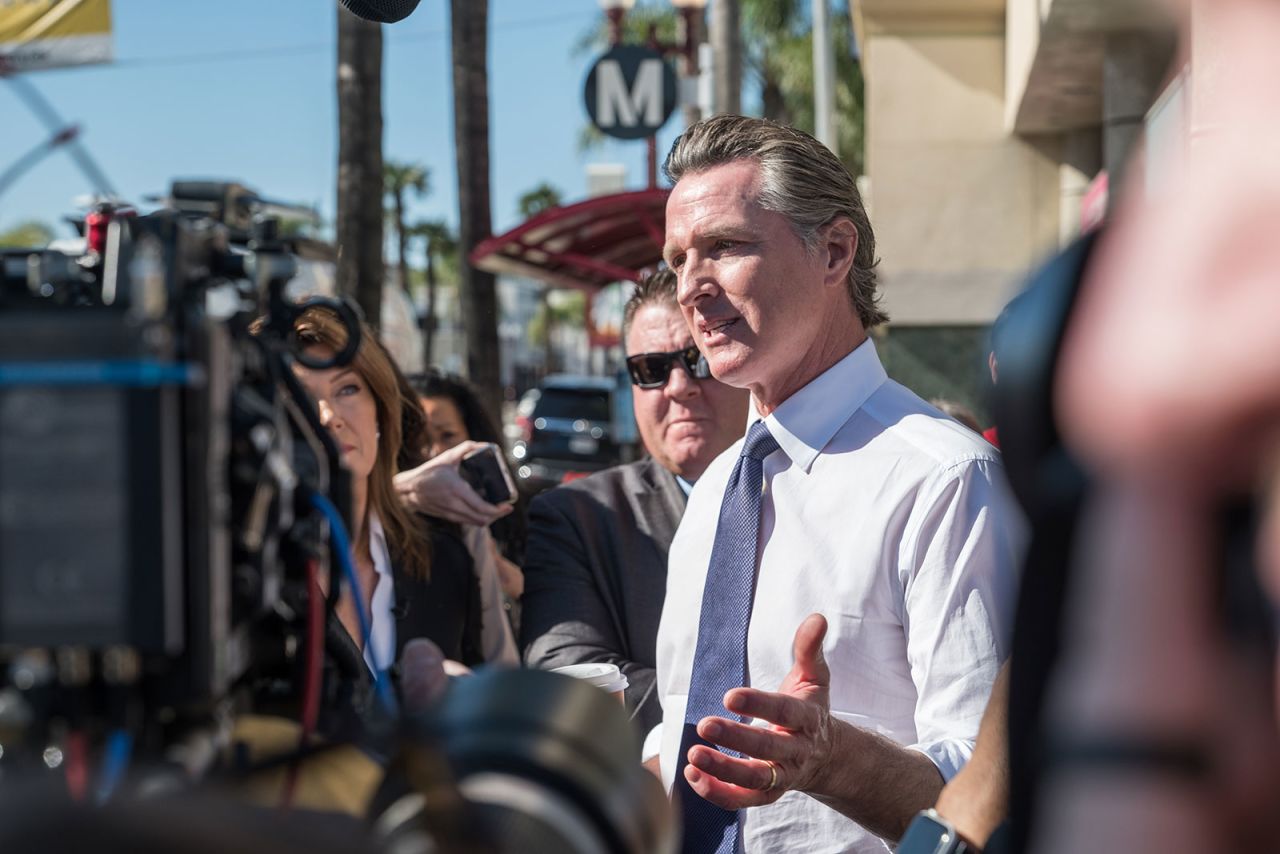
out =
column 878, row 513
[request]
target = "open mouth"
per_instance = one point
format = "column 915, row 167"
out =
column 715, row 327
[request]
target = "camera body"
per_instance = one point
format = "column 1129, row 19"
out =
column 156, row 460
column 161, row 539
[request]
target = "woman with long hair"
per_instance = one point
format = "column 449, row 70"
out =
column 415, row 575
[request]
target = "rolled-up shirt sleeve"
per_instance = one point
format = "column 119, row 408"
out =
column 958, row 567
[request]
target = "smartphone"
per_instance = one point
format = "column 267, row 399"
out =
column 487, row 472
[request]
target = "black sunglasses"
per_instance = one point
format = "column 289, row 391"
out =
column 650, row 370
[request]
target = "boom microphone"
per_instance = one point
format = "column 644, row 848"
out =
column 381, row 11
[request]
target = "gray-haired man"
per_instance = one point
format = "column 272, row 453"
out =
column 852, row 510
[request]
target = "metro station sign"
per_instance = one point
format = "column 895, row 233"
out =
column 630, row 92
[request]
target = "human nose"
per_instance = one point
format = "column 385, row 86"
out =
column 328, row 415
column 680, row 386
column 695, row 281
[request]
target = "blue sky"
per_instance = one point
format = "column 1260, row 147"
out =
column 245, row 89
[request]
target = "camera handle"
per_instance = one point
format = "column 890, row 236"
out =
column 346, row 315
column 272, row 268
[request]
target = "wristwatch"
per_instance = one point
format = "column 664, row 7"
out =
column 930, row 833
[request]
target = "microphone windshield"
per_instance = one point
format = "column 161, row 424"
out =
column 381, row 11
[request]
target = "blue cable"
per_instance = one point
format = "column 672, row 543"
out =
column 131, row 373
column 114, row 763
column 342, row 545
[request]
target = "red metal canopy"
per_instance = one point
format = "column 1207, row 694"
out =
column 586, row 245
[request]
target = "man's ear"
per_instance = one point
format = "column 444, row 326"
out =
column 840, row 240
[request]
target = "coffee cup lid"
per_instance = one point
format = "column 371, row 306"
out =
column 600, row 674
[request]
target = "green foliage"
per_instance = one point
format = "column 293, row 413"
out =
column 441, row 249
column 537, row 330
column 27, row 235
column 568, row 306
column 589, row 136
column 541, row 198
column 558, row 308
column 659, row 14
column 300, row 226
column 767, row 18
column 778, row 43
column 440, row 238
column 399, row 178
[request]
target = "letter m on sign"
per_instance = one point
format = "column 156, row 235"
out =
column 618, row 105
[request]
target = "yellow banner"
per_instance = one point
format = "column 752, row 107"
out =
column 39, row 34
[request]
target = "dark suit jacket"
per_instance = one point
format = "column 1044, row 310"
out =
column 595, row 575
column 444, row 608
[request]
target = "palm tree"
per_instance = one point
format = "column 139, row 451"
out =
column 469, row 22
column 440, row 243
column 397, row 180
column 779, row 36
column 359, row 221
column 726, row 40
column 540, row 198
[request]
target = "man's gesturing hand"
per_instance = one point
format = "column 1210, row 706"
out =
column 788, row 754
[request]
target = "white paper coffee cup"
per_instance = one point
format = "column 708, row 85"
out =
column 606, row 677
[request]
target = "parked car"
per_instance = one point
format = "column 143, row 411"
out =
column 571, row 426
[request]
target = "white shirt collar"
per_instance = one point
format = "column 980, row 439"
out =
column 378, row 545
column 380, row 650
column 805, row 422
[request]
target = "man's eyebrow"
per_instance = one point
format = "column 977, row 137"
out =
column 722, row 231
column 719, row 232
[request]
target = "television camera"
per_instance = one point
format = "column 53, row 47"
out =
column 169, row 503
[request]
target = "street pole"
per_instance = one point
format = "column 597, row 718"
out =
column 726, row 44
column 62, row 133
column 687, row 39
column 616, row 15
column 824, row 79
column 651, row 142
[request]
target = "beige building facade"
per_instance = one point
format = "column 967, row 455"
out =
column 987, row 124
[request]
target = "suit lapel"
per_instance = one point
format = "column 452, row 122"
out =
column 402, row 611
column 660, row 501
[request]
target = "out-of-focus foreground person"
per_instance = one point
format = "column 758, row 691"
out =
column 850, row 496
column 597, row 561
column 1164, row 709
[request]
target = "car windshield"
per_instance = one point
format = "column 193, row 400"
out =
column 571, row 403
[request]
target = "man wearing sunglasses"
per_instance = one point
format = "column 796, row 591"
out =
column 596, row 563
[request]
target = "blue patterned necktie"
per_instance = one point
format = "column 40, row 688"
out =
column 720, row 658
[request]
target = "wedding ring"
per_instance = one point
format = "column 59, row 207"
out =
column 773, row 777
